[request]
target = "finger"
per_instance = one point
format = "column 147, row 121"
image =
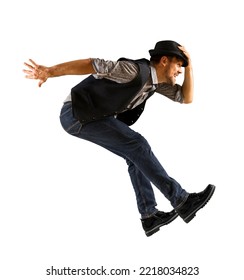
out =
column 41, row 82
column 29, row 74
column 28, row 71
column 33, row 62
column 30, row 77
column 182, row 48
column 28, row 65
column 33, row 66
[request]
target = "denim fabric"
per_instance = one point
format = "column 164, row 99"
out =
column 143, row 166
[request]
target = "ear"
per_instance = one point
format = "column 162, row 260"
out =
column 164, row 60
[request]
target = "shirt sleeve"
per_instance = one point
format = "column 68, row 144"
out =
column 118, row 71
column 172, row 92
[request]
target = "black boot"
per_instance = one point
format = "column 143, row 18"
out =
column 195, row 202
column 153, row 223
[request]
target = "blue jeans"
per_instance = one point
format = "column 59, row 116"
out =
column 143, row 166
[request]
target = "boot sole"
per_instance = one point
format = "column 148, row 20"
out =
column 157, row 228
column 193, row 214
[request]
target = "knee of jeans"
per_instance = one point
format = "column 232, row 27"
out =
column 142, row 142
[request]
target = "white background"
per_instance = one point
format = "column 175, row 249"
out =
column 66, row 202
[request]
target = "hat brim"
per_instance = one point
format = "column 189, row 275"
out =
column 170, row 53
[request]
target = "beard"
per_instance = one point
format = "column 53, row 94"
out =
column 171, row 80
column 170, row 77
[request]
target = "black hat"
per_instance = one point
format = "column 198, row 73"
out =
column 169, row 48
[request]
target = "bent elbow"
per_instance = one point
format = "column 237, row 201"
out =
column 188, row 101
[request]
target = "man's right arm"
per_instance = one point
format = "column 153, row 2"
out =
column 42, row 73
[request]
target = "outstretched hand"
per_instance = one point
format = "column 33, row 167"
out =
column 36, row 71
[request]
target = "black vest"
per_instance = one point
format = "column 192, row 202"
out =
column 93, row 99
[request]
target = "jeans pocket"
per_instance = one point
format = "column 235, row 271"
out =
column 74, row 128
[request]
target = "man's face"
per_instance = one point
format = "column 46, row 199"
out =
column 172, row 70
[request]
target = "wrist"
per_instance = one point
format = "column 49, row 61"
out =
column 189, row 69
column 189, row 66
column 51, row 71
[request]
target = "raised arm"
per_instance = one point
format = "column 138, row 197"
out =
column 42, row 73
column 188, row 84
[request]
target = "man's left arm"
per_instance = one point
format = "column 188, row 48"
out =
column 188, row 84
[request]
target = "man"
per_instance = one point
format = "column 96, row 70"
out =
column 101, row 108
